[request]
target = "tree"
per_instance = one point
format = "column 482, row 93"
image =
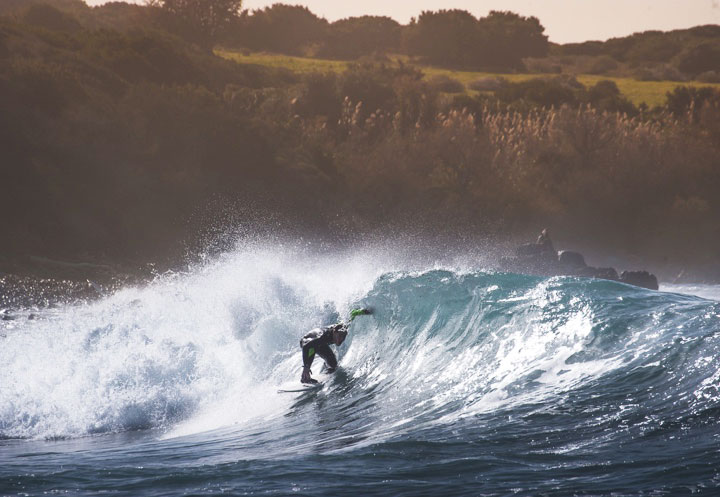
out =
column 357, row 36
column 289, row 29
column 606, row 96
column 446, row 37
column 507, row 37
column 455, row 38
column 698, row 59
column 200, row 21
column 48, row 17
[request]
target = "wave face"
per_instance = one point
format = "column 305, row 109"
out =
column 461, row 382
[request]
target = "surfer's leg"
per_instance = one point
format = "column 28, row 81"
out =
column 326, row 353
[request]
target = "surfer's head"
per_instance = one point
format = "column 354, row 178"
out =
column 339, row 333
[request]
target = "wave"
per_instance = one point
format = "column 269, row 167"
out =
column 444, row 348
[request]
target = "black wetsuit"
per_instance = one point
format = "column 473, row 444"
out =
column 318, row 342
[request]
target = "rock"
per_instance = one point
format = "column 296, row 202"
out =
column 529, row 249
column 571, row 260
column 605, row 273
column 541, row 259
column 640, row 278
column 538, row 263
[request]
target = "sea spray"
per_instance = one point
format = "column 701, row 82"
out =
column 146, row 357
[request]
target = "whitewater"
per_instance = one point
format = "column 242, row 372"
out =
column 463, row 381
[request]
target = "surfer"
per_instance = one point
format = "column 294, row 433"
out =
column 318, row 341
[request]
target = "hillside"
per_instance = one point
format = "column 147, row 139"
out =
column 135, row 145
column 651, row 93
column 679, row 54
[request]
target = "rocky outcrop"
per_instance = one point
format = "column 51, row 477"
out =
column 568, row 258
column 535, row 259
column 639, row 278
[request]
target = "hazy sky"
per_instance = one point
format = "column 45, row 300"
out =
column 564, row 20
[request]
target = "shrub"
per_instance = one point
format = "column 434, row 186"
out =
column 709, row 77
column 606, row 96
column 4, row 51
column 539, row 92
column 320, row 97
column 701, row 58
column 48, row 17
column 569, row 81
column 543, row 66
column 646, row 74
column 603, row 65
column 487, row 84
column 44, row 87
column 446, row 84
column 475, row 105
column 670, row 73
column 684, row 98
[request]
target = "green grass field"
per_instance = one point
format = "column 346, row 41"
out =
column 651, row 92
column 297, row 64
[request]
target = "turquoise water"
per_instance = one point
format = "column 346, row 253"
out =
column 462, row 382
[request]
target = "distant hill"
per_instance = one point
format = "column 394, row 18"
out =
column 501, row 41
column 694, row 52
column 647, row 46
column 117, row 16
column 16, row 6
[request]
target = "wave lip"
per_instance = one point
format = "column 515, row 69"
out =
column 445, row 346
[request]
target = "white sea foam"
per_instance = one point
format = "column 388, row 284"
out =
column 185, row 347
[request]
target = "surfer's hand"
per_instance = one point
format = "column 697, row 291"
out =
column 305, row 378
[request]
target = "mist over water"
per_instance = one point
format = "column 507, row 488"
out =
column 461, row 380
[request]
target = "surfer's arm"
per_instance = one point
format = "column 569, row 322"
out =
column 305, row 377
column 308, row 353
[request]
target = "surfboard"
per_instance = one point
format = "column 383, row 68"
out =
column 302, row 388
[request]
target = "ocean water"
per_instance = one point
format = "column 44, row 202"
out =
column 461, row 382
